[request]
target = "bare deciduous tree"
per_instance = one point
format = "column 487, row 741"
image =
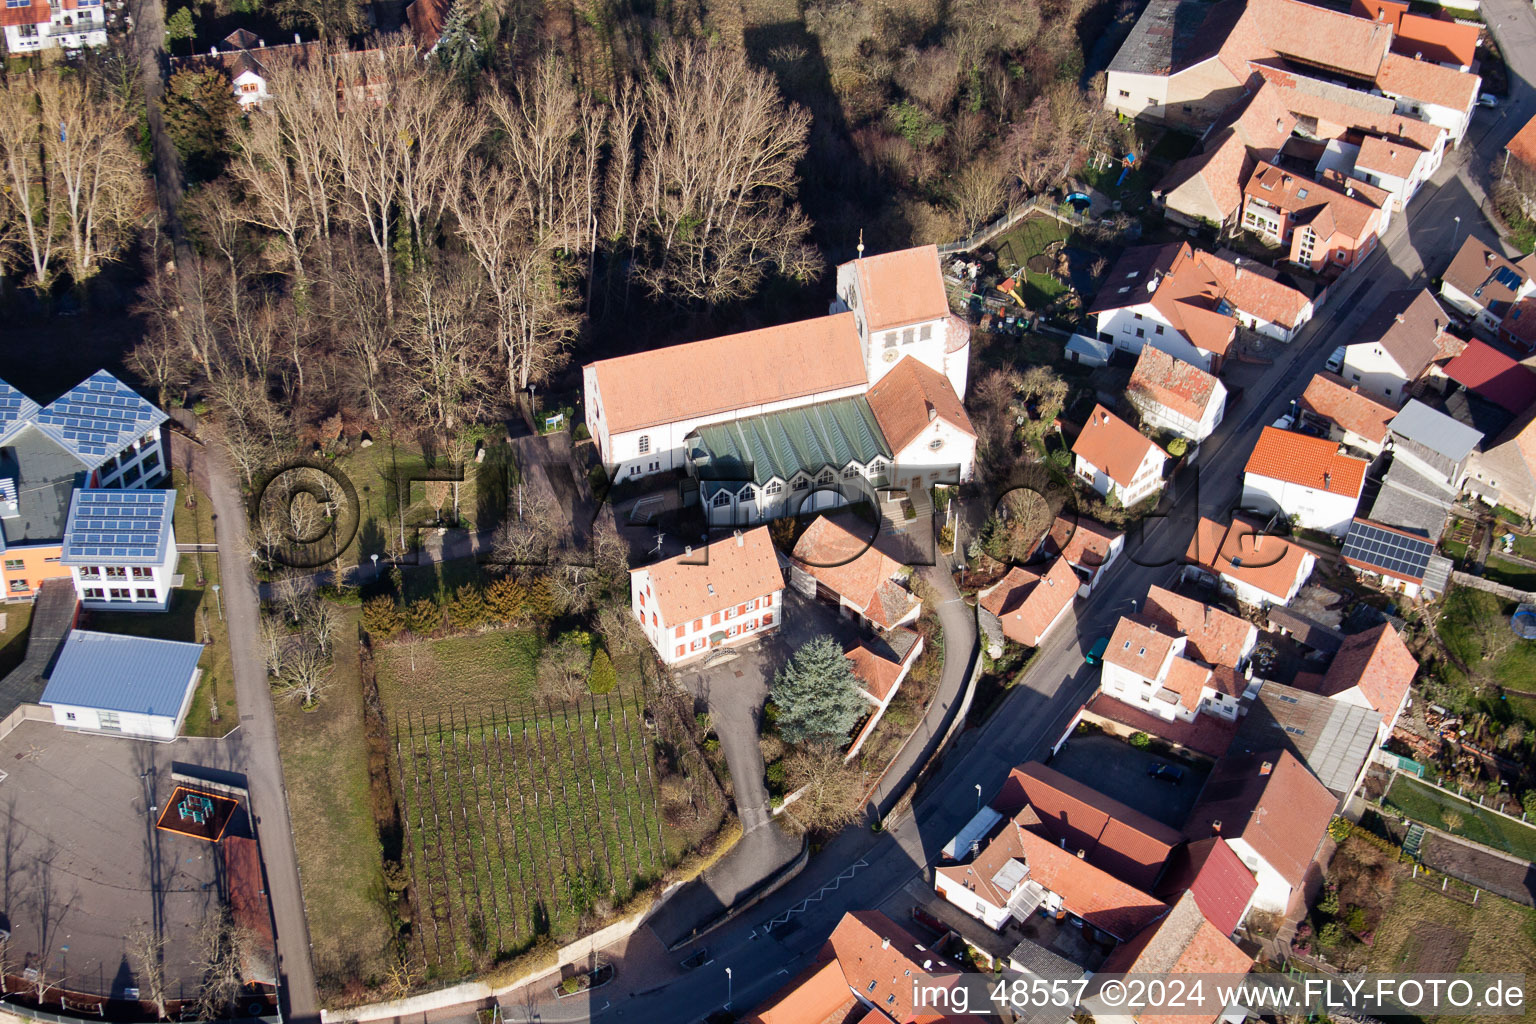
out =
column 445, row 370
column 146, row 950
column 831, row 790
column 524, row 538
column 306, row 673
column 219, row 959
column 274, row 642
column 978, row 193
column 562, row 671
column 31, row 228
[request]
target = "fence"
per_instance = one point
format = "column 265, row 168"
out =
column 1008, row 220
column 1466, row 579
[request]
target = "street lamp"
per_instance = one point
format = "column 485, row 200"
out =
column 1456, row 237
column 729, row 986
column 217, row 602
column 375, row 558
column 978, row 798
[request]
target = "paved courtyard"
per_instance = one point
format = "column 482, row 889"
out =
column 82, row 865
column 1119, row 770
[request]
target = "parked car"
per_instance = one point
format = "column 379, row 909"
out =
column 1166, row 772
column 1096, row 652
column 1335, row 361
column 1487, row 99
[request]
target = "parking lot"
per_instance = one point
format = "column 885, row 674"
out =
column 83, row 865
column 1119, row 770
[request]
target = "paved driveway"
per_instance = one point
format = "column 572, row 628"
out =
column 1117, row 769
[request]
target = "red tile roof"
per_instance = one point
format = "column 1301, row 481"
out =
column 1427, row 82
column 1215, row 637
column 1488, row 372
column 1113, row 445
column 1386, row 156
column 1309, row 34
column 1340, row 110
column 1026, row 603
column 1358, row 413
column 1207, row 734
column 1325, row 204
column 1523, row 146
column 876, row 670
column 817, row 995
column 36, row 13
column 1379, row 663
column 1268, row 563
column 1183, row 942
column 1090, row 893
column 1187, row 679
column 910, row 397
column 1220, row 883
column 1171, row 384
column 1079, row 541
column 1140, row 647
column 738, row 371
column 1441, row 40
column 903, row 287
column 1250, row 290
column 838, row 551
column 1306, row 461
column 875, row 953
column 717, row 576
column 1120, row 839
column 1185, row 293
column 1281, row 812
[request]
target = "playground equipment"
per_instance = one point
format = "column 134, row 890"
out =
column 1523, row 622
column 1010, row 287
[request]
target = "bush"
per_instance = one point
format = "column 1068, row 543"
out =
column 1354, row 919
column 423, row 616
column 1340, row 828
column 604, row 677
column 382, row 618
column 1178, row 447
column 774, row 776
column 467, row 608
column 504, row 600
column 1330, row 934
column 1140, row 740
column 1328, row 902
column 541, row 603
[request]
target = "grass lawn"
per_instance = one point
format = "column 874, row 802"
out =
column 1029, row 238
column 1525, row 546
column 1461, row 627
column 1511, row 574
column 1458, row 816
column 325, row 767
column 13, row 638
column 193, row 611
column 473, row 672
column 193, row 525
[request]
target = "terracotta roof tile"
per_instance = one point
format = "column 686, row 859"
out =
column 1187, row 679
column 1207, row 734
column 1386, row 156
column 1268, row 563
column 738, row 371
column 725, row 573
column 874, row 953
column 1322, row 204
column 1379, row 663
column 1139, row 647
column 1183, row 942
column 1117, row 838
column 909, row 397
column 1427, row 82
column 876, row 668
column 1214, row 636
column 1411, row 326
column 1332, row 399
column 1523, row 146
column 1183, row 291
column 36, row 13
column 837, row 551
column 1079, row 541
column 1026, row 603
column 817, row 995
column 903, row 287
column 1090, row 893
column 1282, row 813
column 1248, row 289
column 1488, row 372
column 1306, row 461
column 1112, row 445
column 1338, row 110
column 1520, row 324
column 1172, row 384
column 1210, row 872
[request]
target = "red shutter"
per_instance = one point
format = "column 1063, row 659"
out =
column 768, row 619
column 714, row 620
column 678, row 632
column 681, row 650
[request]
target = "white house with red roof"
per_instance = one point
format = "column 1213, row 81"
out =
column 881, row 665
column 1372, row 670
column 1171, row 394
column 900, row 309
column 1165, row 296
column 1146, row 667
column 1182, row 943
column 1116, row 459
column 1221, row 885
column 925, row 426
column 726, row 593
column 1088, row 547
column 836, row 561
column 1273, row 813
column 1258, row 569
column 1307, row 478
column 1025, row 605
column 1215, row 637
column 1350, row 416
column 43, row 25
column 1397, row 343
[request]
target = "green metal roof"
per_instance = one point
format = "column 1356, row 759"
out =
column 777, row 445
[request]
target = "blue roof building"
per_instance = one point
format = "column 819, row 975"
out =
column 119, row 527
column 106, row 682
column 16, row 409
column 98, row 418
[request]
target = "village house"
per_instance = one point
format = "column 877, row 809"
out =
column 1026, row 605
column 1307, row 478
column 1320, row 223
column 1490, row 374
column 1116, row 460
column 1181, row 943
column 836, row 561
column 1087, row 546
column 120, row 547
column 1258, row 297
column 863, row 972
column 1374, row 670
column 1438, row 38
column 1258, row 569
column 1166, row 297
column 98, row 434
column 648, row 411
column 1170, row 394
column 1433, row 444
column 1206, row 189
column 1145, row 667
column 1397, row 343
column 1020, row 872
column 1215, row 637
column 1395, row 559
column 1412, row 501
column 1504, row 472
column 1105, row 832
column 34, row 26
column 726, row 593
column 881, row 665
column 1484, row 285
column 1273, row 813
column 1208, row 870
column 924, row 425
column 1349, row 416
column 125, row 685
column 1332, row 739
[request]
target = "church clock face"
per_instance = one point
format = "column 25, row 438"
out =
column 890, row 355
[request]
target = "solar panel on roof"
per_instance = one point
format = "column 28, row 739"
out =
column 1508, row 278
column 1389, row 550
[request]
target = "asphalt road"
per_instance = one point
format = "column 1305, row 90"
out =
column 861, row 869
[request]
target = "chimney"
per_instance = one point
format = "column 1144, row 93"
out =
column 1216, row 827
column 1063, row 842
column 1327, row 479
column 1418, row 55
column 932, row 412
column 213, row 51
column 1266, row 768
column 687, row 549
column 261, row 44
column 741, row 541
column 1487, row 259
column 885, row 943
